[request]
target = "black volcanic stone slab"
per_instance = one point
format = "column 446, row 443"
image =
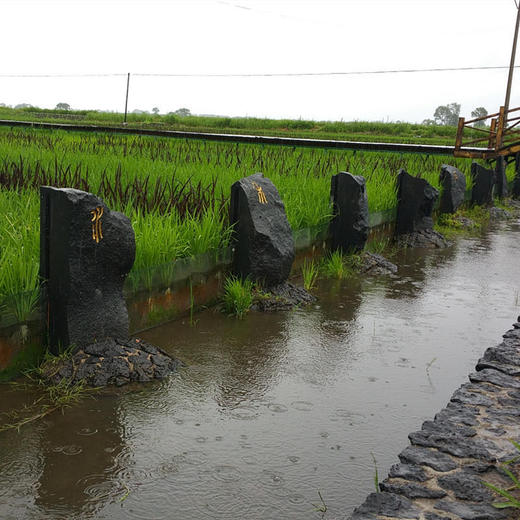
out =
column 500, row 178
column 465, row 486
column 483, row 182
column 453, row 183
column 386, row 504
column 415, row 201
column 469, row 511
column 412, row 490
column 86, row 252
column 470, row 394
column 349, row 225
column 489, row 375
column 504, row 358
column 449, row 442
column 408, row 472
column 516, row 180
column 262, row 237
column 427, row 457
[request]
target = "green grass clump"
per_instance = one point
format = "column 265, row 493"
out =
column 511, row 501
column 339, row 265
column 310, row 272
column 238, row 296
column 464, row 221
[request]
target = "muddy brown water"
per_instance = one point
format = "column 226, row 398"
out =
column 272, row 409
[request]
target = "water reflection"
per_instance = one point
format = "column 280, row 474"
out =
column 272, row 408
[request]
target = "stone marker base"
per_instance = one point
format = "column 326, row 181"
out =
column 373, row 264
column 425, row 238
column 112, row 362
column 282, row 297
column 440, row 475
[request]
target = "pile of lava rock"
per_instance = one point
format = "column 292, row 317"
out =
column 111, row 362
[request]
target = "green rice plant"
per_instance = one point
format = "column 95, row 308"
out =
column 339, row 265
column 511, row 500
column 310, row 272
column 238, row 296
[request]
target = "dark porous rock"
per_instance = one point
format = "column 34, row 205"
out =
column 450, row 442
column 450, row 427
column 374, row 264
column 262, row 237
column 426, row 238
column 412, row 490
column 470, row 394
column 427, row 457
column 516, row 181
column 488, row 375
column 465, row 486
column 499, row 214
column 483, row 182
column 282, row 297
column 469, row 511
column 112, row 362
column 349, row 225
column 435, row 516
column 500, row 178
column 86, row 252
column 408, row 472
column 386, row 504
column 459, row 414
column 415, row 201
column 453, row 183
column 504, row 358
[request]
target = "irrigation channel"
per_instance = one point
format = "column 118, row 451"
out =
column 272, row 409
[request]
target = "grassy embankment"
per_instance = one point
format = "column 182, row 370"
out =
column 350, row 131
column 174, row 191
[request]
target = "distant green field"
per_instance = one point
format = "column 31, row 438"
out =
column 350, row 131
column 174, row 191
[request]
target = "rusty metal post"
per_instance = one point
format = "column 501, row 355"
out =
column 501, row 127
column 460, row 129
column 492, row 133
column 512, row 64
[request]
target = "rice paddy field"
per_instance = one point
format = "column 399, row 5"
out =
column 174, row 191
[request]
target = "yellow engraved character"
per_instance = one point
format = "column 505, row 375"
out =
column 261, row 195
column 97, row 231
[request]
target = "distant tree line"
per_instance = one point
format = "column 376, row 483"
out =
column 448, row 115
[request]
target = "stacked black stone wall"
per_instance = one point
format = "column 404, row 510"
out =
column 440, row 475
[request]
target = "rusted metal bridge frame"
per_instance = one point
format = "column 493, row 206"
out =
column 502, row 136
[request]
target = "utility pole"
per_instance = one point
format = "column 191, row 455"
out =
column 128, row 86
column 512, row 64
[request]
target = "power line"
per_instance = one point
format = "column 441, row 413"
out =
column 258, row 75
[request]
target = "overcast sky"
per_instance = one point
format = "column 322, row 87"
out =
column 255, row 37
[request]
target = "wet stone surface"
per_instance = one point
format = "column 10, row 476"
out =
column 451, row 456
column 283, row 297
column 374, row 264
column 113, row 362
column 424, row 238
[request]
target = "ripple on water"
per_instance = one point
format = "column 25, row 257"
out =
column 244, row 413
column 353, row 418
column 87, row 431
column 277, row 408
column 223, row 504
column 98, row 487
column 302, row 406
column 227, row 473
column 70, row 449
